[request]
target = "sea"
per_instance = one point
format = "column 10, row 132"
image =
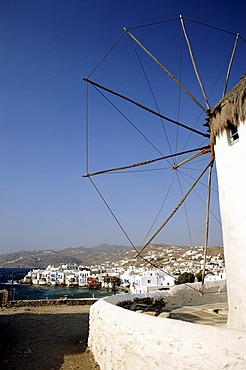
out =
column 18, row 291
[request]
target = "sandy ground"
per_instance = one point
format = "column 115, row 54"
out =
column 45, row 338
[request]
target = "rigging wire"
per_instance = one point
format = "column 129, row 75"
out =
column 190, row 158
column 159, row 212
column 133, row 246
column 175, row 210
column 179, row 102
column 207, row 225
column 131, row 243
column 198, row 119
column 185, row 209
column 179, row 90
column 113, row 214
column 155, row 265
column 142, row 163
column 119, row 224
column 211, row 92
column 105, row 56
column 87, row 128
column 153, row 24
column 219, row 76
column 206, row 100
column 152, row 93
column 216, row 28
column 146, row 108
column 187, row 19
column 198, row 195
column 194, row 62
column 131, row 123
column 230, row 65
column 166, row 70
column 190, row 136
column 136, row 171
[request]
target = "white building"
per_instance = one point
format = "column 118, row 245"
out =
column 71, row 279
column 83, row 276
column 62, row 275
column 212, row 277
column 60, row 278
column 150, row 281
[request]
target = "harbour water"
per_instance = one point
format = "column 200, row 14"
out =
column 29, row 292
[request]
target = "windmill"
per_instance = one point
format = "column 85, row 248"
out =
column 192, row 149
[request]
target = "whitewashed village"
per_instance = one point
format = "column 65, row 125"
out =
column 133, row 277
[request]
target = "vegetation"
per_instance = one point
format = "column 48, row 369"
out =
column 199, row 274
column 185, row 277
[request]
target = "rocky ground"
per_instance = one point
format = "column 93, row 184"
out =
column 50, row 338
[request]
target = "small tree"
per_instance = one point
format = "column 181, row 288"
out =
column 186, row 277
column 199, row 274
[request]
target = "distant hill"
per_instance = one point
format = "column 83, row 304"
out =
column 80, row 255
column 102, row 254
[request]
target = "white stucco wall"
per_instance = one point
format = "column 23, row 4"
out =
column 231, row 165
column 125, row 340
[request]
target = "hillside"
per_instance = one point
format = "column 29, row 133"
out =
column 104, row 254
column 80, row 255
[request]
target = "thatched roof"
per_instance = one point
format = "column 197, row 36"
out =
column 229, row 111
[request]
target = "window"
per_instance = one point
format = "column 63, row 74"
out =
column 233, row 135
column 148, row 281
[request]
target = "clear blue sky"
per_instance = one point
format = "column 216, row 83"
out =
column 47, row 47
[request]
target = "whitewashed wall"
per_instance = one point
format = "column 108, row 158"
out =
column 124, row 340
column 231, row 165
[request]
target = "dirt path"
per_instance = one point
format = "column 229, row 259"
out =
column 49, row 338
